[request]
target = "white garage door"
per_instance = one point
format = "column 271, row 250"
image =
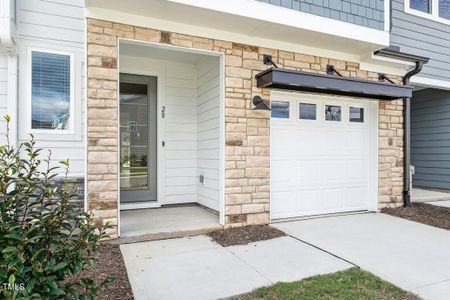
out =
column 323, row 155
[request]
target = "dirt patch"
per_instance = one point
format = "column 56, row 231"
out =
column 109, row 262
column 433, row 215
column 245, row 235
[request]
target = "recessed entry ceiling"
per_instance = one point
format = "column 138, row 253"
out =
column 168, row 53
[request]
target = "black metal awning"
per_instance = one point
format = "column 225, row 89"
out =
column 329, row 84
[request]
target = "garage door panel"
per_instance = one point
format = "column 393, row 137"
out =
column 355, row 197
column 355, row 143
column 283, row 173
column 332, row 199
column 331, row 142
column 284, row 203
column 307, row 200
column 332, row 170
column 357, row 169
column 319, row 167
column 307, row 171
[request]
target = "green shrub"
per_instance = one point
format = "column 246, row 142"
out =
column 46, row 239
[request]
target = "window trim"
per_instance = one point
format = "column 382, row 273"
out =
column 433, row 16
column 29, row 104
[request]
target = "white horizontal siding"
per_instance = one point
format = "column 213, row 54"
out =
column 55, row 20
column 208, row 132
column 3, row 95
column 181, row 133
column 54, row 25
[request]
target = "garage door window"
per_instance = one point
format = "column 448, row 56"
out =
column 280, row 109
column 333, row 113
column 356, row 114
column 307, row 111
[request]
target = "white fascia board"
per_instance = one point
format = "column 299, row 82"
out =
column 289, row 17
column 430, row 82
column 183, row 28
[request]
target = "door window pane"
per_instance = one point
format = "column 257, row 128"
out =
column 444, row 9
column 332, row 113
column 421, row 5
column 50, row 91
column 280, row 109
column 307, row 111
column 356, row 114
column 133, row 136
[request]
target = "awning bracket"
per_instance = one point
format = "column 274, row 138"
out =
column 331, row 70
column 268, row 60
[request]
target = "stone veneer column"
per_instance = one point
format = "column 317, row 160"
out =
column 247, row 132
column 390, row 155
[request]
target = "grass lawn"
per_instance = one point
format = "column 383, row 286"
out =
column 349, row 284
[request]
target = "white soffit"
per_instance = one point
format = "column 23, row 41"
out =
column 380, row 64
column 430, row 82
column 246, row 21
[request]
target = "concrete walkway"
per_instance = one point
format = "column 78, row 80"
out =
column 411, row 255
column 198, row 268
column 441, row 203
column 423, row 195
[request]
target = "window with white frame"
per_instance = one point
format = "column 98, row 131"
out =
column 437, row 10
column 444, row 9
column 51, row 90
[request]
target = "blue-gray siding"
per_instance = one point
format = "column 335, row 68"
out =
column 424, row 37
column 430, row 138
column 368, row 13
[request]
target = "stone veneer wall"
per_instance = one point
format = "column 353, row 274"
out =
column 390, row 153
column 247, row 137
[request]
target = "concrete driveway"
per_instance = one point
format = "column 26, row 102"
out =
column 441, row 203
column 198, row 268
column 411, row 255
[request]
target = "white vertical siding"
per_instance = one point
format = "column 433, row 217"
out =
column 208, row 130
column 54, row 25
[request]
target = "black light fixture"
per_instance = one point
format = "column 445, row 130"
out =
column 259, row 103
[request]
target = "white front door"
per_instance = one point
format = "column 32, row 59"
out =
column 323, row 155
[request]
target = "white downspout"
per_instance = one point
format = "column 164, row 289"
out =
column 8, row 25
column 8, row 40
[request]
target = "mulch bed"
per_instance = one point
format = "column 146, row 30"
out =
column 245, row 235
column 109, row 262
column 433, row 215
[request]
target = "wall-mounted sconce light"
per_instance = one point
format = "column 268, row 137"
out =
column 259, row 104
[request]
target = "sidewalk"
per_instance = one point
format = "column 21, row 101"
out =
column 198, row 268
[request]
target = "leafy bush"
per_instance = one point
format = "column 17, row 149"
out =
column 46, row 239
